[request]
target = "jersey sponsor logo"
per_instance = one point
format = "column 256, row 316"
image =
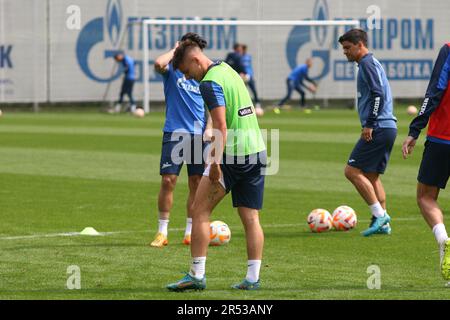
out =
column 245, row 111
column 184, row 85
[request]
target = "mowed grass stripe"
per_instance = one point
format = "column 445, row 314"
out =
column 284, row 135
column 292, row 174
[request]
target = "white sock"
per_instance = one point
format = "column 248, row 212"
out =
column 163, row 224
column 188, row 226
column 377, row 210
column 253, row 267
column 198, row 267
column 440, row 233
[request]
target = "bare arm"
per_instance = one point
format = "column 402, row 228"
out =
column 162, row 62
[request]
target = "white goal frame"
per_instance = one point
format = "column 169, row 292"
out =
column 146, row 22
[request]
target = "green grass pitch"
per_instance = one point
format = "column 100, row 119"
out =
column 61, row 172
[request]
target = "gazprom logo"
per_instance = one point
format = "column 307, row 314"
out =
column 93, row 34
column 113, row 23
column 301, row 35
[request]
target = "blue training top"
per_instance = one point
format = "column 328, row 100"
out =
column 374, row 95
column 246, row 61
column 128, row 66
column 184, row 104
column 299, row 73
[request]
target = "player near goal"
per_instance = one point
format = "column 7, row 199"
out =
column 435, row 166
column 371, row 153
column 237, row 161
column 184, row 109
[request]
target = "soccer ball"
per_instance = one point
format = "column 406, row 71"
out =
column 139, row 113
column 219, row 233
column 344, row 218
column 411, row 110
column 259, row 111
column 319, row 220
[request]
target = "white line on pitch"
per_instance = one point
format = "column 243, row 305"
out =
column 73, row 234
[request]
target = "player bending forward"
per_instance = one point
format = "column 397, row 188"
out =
column 237, row 168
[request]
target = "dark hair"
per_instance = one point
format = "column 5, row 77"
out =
column 194, row 37
column 354, row 36
column 182, row 50
column 236, row 45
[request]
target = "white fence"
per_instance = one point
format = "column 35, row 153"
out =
column 42, row 59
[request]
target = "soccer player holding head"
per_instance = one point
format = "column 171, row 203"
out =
column 128, row 81
column 295, row 82
column 236, row 163
column 371, row 153
column 185, row 119
column 435, row 167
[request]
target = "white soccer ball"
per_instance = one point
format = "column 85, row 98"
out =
column 259, row 111
column 411, row 110
column 344, row 218
column 219, row 233
column 139, row 113
column 319, row 220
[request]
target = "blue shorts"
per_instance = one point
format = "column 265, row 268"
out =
column 245, row 181
column 178, row 148
column 244, row 177
column 373, row 156
column 435, row 166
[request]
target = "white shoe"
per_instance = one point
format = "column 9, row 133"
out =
column 132, row 108
column 118, row 108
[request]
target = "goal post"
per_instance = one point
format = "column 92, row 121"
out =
column 197, row 22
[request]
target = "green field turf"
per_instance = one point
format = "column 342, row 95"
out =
column 62, row 172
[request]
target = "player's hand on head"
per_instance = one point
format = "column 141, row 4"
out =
column 408, row 146
column 367, row 134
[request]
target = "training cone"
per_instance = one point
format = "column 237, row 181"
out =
column 89, row 231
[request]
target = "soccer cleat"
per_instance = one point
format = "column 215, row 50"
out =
column 445, row 259
column 187, row 239
column 376, row 225
column 247, row 285
column 160, row 241
column 385, row 229
column 188, row 282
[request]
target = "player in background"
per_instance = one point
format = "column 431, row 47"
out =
column 246, row 61
column 185, row 112
column 234, row 59
column 128, row 82
column 295, row 82
column 237, row 163
column 435, row 166
column 371, row 153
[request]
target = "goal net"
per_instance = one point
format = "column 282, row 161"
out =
column 276, row 47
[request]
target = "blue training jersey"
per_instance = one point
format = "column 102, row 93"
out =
column 184, row 104
column 299, row 73
column 246, row 61
column 375, row 106
column 128, row 66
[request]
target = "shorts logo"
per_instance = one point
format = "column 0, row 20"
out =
column 166, row 165
column 351, row 160
column 245, row 111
